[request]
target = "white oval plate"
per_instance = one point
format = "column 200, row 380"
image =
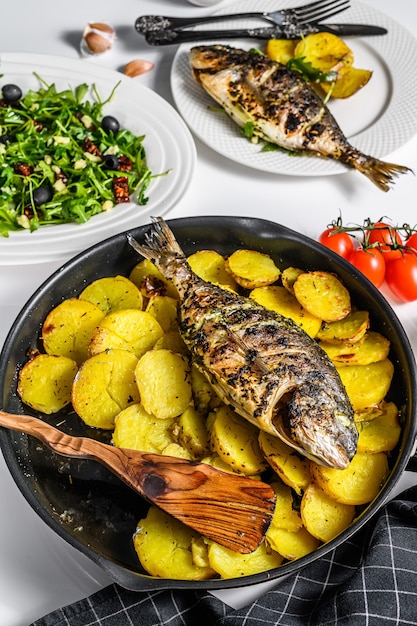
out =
column 379, row 119
column 168, row 143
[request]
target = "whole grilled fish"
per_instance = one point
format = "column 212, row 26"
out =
column 283, row 108
column 261, row 363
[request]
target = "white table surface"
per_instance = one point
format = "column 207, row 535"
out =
column 38, row 570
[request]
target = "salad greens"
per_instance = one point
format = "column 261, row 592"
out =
column 60, row 163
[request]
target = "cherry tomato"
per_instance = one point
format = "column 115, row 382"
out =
column 401, row 277
column 412, row 241
column 371, row 263
column 384, row 234
column 341, row 243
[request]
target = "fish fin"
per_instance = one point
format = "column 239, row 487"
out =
column 159, row 241
column 381, row 173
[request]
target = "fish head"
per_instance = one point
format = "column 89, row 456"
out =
column 319, row 426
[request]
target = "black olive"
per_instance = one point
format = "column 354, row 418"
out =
column 11, row 93
column 42, row 195
column 110, row 124
column 6, row 138
column 110, row 161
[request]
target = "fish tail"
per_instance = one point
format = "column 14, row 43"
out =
column 159, row 243
column 381, row 173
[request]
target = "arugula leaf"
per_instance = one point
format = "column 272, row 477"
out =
column 311, row 73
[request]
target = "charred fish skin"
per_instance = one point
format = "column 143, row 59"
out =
column 282, row 107
column 262, row 364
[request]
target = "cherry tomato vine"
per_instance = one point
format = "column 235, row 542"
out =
column 380, row 250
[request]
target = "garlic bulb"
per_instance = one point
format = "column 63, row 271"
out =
column 97, row 38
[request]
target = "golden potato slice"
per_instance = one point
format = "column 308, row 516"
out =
column 374, row 347
column 289, row 276
column 236, row 442
column 164, row 383
column 322, row 516
column 358, row 484
column 45, row 382
column 280, row 50
column 371, row 412
column 293, row 469
column 325, row 51
column 284, row 515
column 252, row 269
column 174, row 449
column 164, row 548
column 211, row 266
column 367, row 385
column 164, row 309
column 349, row 81
column 136, row 429
column 193, row 434
column 150, row 281
column 113, row 293
column 281, row 301
column 68, row 328
column 291, row 545
column 105, row 385
column 380, row 434
column 203, row 392
column 215, row 461
column 323, row 295
column 350, row 329
column 230, row 564
column 130, row 329
column 172, row 341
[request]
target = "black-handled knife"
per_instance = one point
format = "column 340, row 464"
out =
column 165, row 37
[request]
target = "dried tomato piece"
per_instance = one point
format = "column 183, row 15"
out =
column 22, row 168
column 90, row 146
column 121, row 189
column 124, row 163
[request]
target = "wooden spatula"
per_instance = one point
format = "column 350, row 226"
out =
column 230, row 509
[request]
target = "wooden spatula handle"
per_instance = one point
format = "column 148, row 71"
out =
column 232, row 510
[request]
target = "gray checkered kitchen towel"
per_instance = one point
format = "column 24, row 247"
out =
column 369, row 580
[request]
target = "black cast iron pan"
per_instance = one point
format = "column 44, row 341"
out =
column 83, row 502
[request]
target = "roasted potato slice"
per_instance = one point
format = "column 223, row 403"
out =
column 164, row 309
column 192, row 433
column 284, row 515
column 113, row 293
column 236, row 442
column 105, row 385
column 293, row 469
column 280, row 50
column 358, row 484
column 323, row 295
column 367, row 385
column 374, row 347
column 128, row 329
column 230, row 564
column 349, row 81
column 211, row 266
column 164, row 383
column 380, row 434
column 136, row 429
column 322, row 516
column 281, row 301
column 325, row 51
column 45, row 382
column 147, row 277
column 68, row 328
column 350, row 329
column 172, row 341
column 289, row 276
column 164, row 547
column 291, row 545
column 252, row 269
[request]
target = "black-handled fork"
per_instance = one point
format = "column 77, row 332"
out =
column 316, row 11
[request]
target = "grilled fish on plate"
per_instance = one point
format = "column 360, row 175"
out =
column 261, row 363
column 283, row 108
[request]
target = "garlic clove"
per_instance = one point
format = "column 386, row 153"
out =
column 97, row 38
column 137, row 67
